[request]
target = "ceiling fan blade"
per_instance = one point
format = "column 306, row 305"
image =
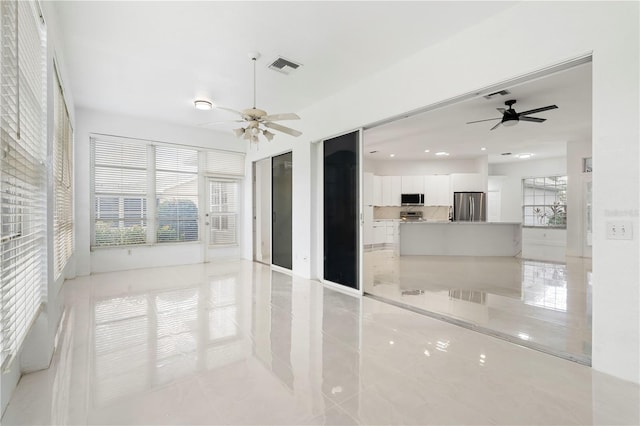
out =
column 532, row 119
column 494, row 127
column 488, row 119
column 533, row 111
column 230, row 110
column 278, row 117
column 282, row 129
column 501, row 110
column 212, row 123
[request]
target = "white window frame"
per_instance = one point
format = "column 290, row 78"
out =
column 63, row 234
column 545, row 210
column 220, row 164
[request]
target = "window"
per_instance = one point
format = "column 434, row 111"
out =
column 120, row 193
column 223, row 196
column 147, row 193
column 23, row 154
column 63, row 182
column 545, row 201
column 176, row 194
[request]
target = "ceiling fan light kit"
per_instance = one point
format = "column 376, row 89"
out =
column 510, row 117
column 257, row 120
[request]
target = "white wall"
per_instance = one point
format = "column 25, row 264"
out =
column 608, row 30
column 544, row 244
column 427, row 167
column 112, row 259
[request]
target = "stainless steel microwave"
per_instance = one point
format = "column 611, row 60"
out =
column 412, row 199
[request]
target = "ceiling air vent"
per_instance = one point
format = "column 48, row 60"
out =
column 284, row 66
column 494, row 94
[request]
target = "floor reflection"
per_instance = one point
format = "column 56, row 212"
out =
column 147, row 340
column 240, row 344
column 543, row 305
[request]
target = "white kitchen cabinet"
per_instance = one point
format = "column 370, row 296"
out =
column 437, row 190
column 379, row 233
column 368, row 189
column 386, row 234
column 377, row 190
column 468, row 182
column 391, row 190
column 412, row 184
column 392, row 232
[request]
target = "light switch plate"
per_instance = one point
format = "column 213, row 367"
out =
column 619, row 230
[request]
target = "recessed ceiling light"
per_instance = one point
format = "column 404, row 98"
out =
column 392, row 155
column 483, row 149
column 524, row 156
column 442, row 153
column 426, row 150
column 203, row 105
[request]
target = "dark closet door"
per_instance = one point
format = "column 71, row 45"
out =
column 341, row 210
column 281, row 181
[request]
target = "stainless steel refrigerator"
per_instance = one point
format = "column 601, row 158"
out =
column 469, row 207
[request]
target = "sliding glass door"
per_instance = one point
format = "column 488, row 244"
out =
column 281, row 196
column 341, row 210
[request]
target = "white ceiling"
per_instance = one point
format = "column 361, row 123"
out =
column 445, row 129
column 153, row 59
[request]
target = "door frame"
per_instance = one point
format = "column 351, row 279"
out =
column 253, row 207
column 255, row 212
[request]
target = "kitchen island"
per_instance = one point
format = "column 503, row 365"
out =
column 424, row 238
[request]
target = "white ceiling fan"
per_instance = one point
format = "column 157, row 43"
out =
column 257, row 120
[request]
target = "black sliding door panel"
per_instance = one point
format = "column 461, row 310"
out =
column 282, row 172
column 341, row 210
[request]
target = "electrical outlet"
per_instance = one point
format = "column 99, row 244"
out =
column 619, row 231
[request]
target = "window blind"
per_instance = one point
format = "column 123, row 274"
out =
column 176, row 194
column 147, row 192
column 224, row 163
column 120, row 193
column 63, row 182
column 22, row 173
column 223, row 207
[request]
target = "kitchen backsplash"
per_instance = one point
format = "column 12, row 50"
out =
column 428, row 212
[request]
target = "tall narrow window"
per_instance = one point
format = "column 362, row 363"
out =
column 63, row 182
column 222, row 167
column 120, row 193
column 22, row 172
column 176, row 194
column 223, row 205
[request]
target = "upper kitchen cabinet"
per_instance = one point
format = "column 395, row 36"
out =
column 377, row 190
column 412, row 184
column 437, row 190
column 368, row 189
column 391, row 190
column 468, row 182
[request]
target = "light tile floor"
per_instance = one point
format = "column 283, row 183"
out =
column 237, row 343
column 543, row 305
